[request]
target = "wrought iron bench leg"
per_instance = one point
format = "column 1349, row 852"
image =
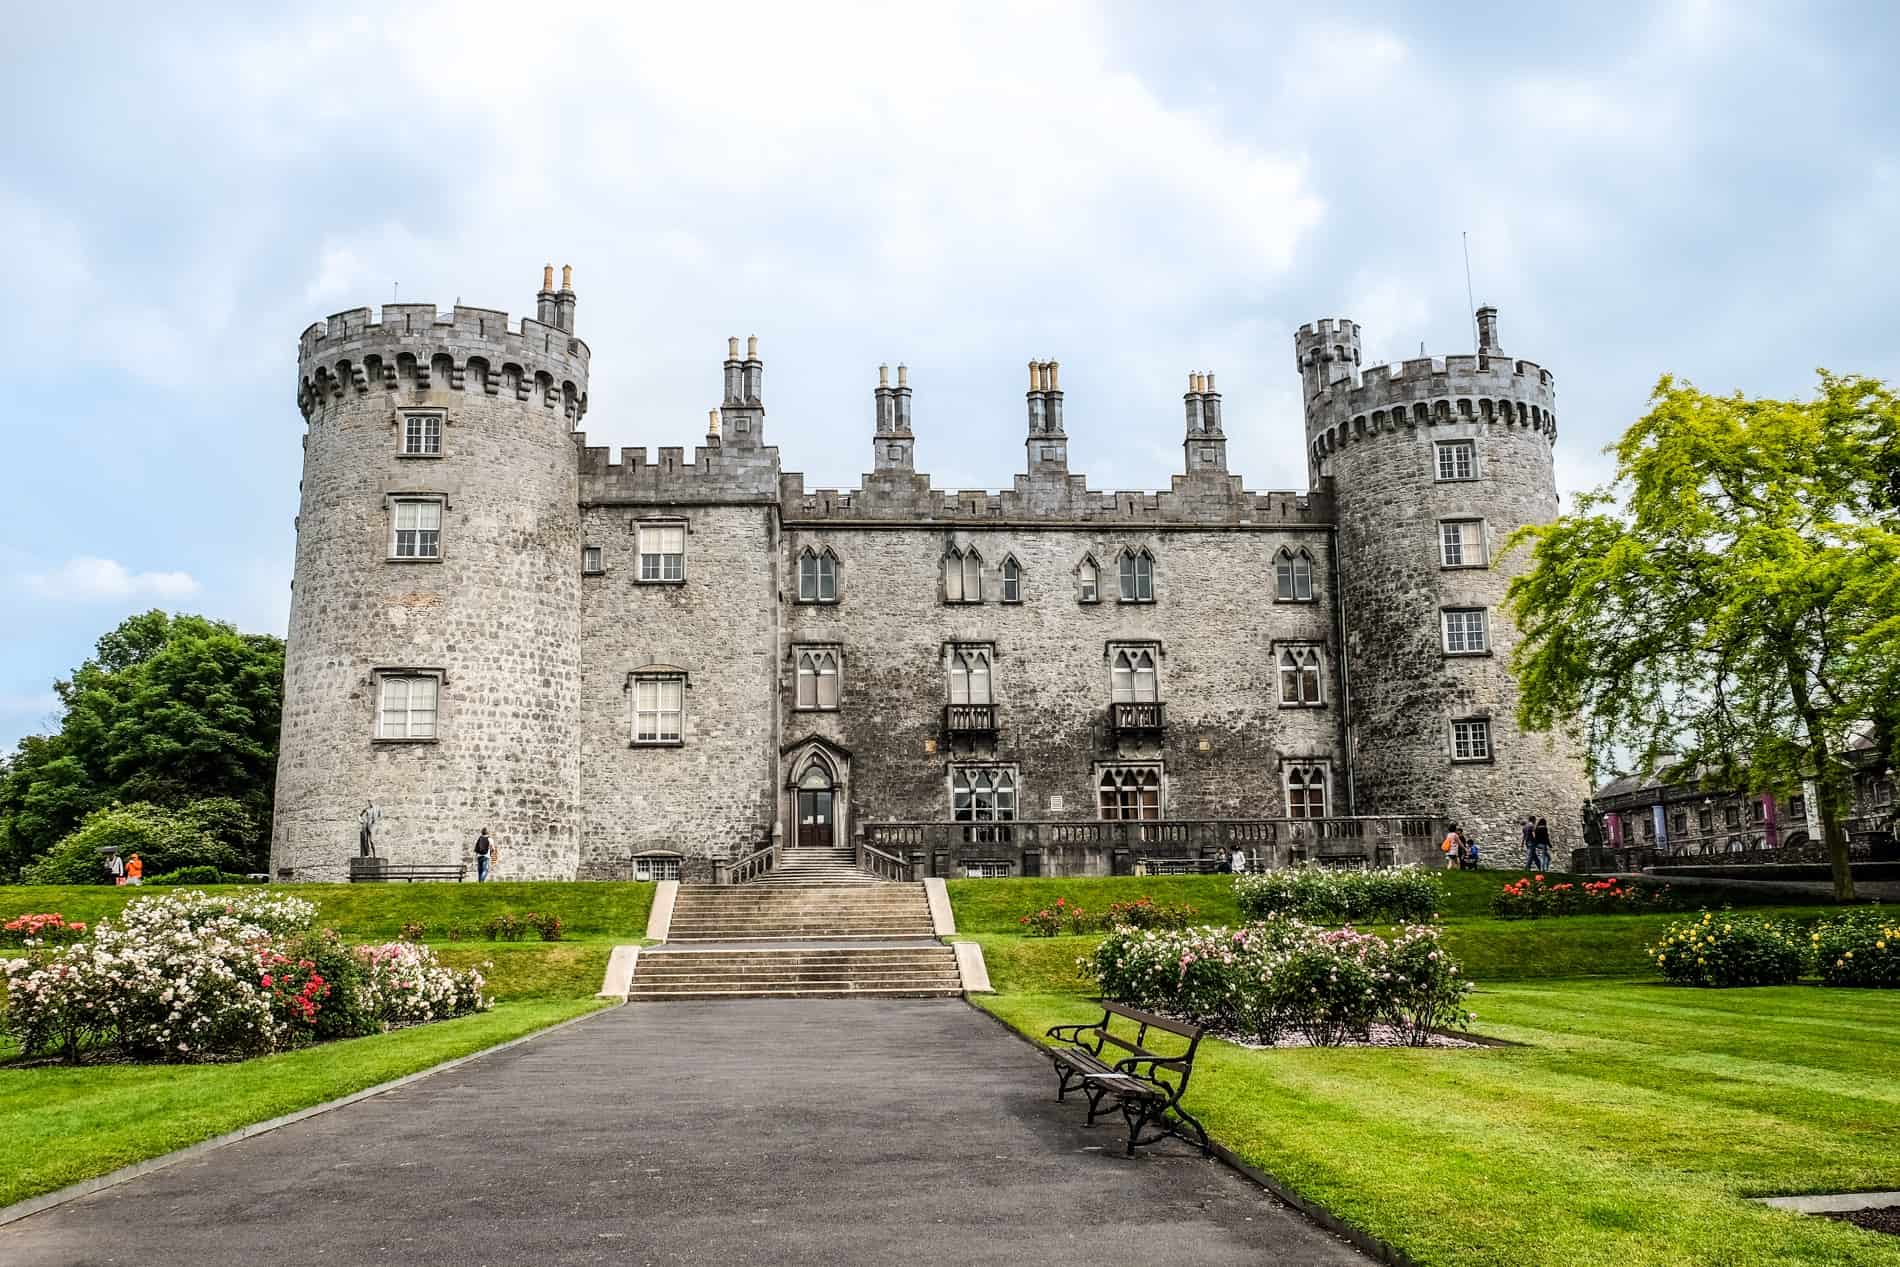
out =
column 1137, row 1112
column 1187, row 1118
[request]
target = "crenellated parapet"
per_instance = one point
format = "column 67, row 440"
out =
column 1191, row 501
column 415, row 346
column 711, row 474
column 1491, row 389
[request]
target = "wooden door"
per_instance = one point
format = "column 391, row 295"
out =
column 814, row 818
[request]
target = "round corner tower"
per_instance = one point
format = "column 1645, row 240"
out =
column 432, row 669
column 1432, row 464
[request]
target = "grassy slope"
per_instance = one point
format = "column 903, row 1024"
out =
column 1626, row 1132
column 62, row 1125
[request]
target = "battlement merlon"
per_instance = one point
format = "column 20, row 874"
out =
column 1326, row 352
column 1191, row 502
column 353, row 351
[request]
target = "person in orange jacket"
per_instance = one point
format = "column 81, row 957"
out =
column 134, row 870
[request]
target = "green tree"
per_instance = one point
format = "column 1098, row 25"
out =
column 163, row 839
column 169, row 710
column 1732, row 597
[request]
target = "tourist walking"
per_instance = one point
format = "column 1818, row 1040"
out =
column 115, row 867
column 1530, row 842
column 135, row 870
column 1540, row 842
column 1238, row 863
column 484, row 853
column 1453, row 847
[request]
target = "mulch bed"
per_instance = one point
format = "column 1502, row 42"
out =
column 1884, row 1218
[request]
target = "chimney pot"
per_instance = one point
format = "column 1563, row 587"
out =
column 567, row 277
column 1052, row 379
column 883, row 376
column 712, row 423
column 1035, row 377
column 547, row 277
column 903, row 376
column 1209, row 387
column 752, row 347
column 732, row 348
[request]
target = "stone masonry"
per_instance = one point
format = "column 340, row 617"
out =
column 540, row 623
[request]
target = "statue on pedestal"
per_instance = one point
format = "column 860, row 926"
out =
column 366, row 831
column 1592, row 825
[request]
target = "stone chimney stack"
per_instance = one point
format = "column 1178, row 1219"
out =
column 564, row 302
column 1048, row 444
column 1488, row 344
column 1205, row 448
column 892, row 449
column 754, row 372
column 742, row 416
column 547, row 304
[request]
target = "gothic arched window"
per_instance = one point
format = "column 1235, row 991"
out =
column 1133, row 678
column 1300, row 675
column 963, row 576
column 1012, row 580
column 1293, row 576
column 817, row 576
column 1306, row 791
column 1137, row 576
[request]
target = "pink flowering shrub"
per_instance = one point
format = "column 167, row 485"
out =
column 187, row 976
column 1279, row 975
column 48, row 929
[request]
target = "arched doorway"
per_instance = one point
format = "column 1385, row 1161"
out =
column 816, row 801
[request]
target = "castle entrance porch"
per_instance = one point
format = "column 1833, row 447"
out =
column 815, row 794
column 815, row 801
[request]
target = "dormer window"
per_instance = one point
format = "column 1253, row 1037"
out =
column 817, row 576
column 1293, row 576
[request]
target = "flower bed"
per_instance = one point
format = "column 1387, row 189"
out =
column 1143, row 912
column 1535, row 897
column 1284, row 976
column 1397, row 895
column 1729, row 950
column 46, row 929
column 190, row 976
column 1861, row 949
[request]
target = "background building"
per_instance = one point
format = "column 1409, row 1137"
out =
column 622, row 667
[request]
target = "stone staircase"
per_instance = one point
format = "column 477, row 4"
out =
column 817, row 866
column 782, row 972
column 790, row 911
column 797, row 938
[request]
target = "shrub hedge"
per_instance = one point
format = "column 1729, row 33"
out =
column 1391, row 895
column 1730, row 950
column 1860, row 949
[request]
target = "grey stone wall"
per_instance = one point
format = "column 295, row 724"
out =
column 710, row 796
column 498, row 615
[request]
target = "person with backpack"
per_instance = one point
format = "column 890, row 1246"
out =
column 484, row 855
column 1453, row 847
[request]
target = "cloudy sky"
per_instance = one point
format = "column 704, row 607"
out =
column 1136, row 191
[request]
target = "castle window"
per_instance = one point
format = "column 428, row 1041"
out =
column 1705, row 820
column 817, row 685
column 1457, row 460
column 970, row 678
column 983, row 794
column 1137, row 577
column 1798, row 806
column 1465, row 632
column 1679, row 823
column 817, row 576
column 659, row 708
column 963, row 576
column 406, row 705
column 1300, row 676
column 422, row 435
column 1089, row 578
column 1293, row 576
column 1882, row 793
column 1757, row 811
column 1306, row 791
column 986, row 870
column 1461, row 543
column 591, row 564
column 1129, row 792
column 1012, row 581
column 662, row 552
column 1132, row 676
column 656, row 868
column 1471, row 740
column 1732, row 815
column 416, row 528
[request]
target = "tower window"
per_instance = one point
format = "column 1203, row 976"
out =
column 1461, row 543
column 1293, row 576
column 1457, row 460
column 659, row 709
column 416, row 528
column 1089, row 580
column 1137, row 577
column 1471, row 739
column 1012, row 581
column 422, row 435
column 406, row 705
column 1465, row 632
column 817, row 576
column 591, row 562
column 817, row 686
column 662, row 552
column 1306, row 791
column 1300, row 676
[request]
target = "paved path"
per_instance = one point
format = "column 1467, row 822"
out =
column 901, row 1131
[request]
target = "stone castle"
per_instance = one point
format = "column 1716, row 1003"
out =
column 651, row 665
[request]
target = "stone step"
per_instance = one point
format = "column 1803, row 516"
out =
column 637, row 995
column 665, row 965
column 803, row 981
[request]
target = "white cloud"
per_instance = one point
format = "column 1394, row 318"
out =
column 89, row 580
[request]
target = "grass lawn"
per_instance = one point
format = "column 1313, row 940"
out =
column 1627, row 1130
column 61, row 1125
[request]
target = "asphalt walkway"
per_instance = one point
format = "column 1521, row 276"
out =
column 891, row 1131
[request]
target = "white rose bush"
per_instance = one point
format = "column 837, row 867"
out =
column 190, row 976
column 1284, row 976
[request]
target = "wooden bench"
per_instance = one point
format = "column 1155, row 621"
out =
column 423, row 871
column 1136, row 1079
